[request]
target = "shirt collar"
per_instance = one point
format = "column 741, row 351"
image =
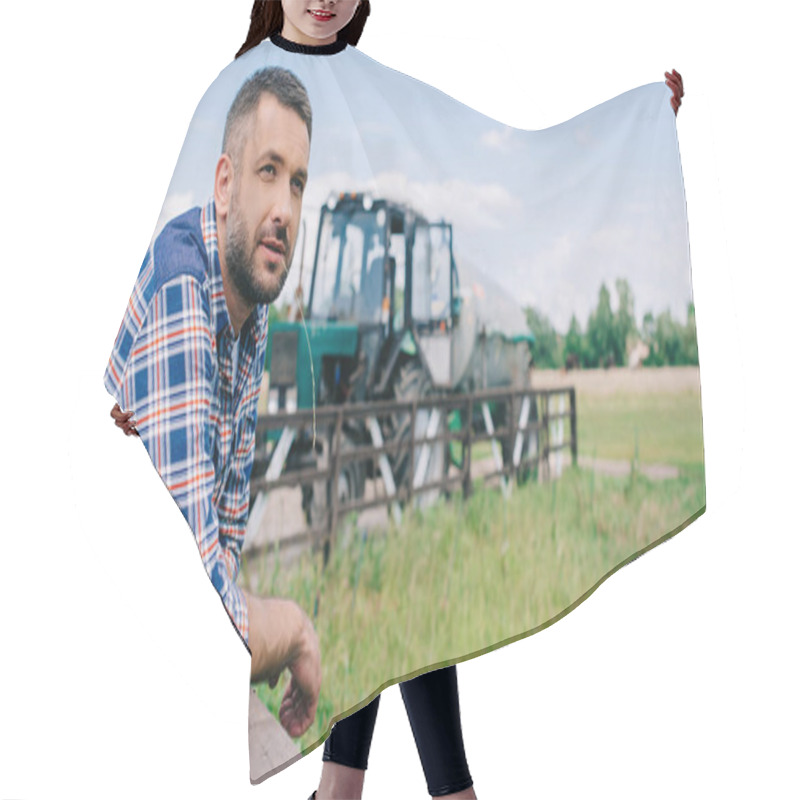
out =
column 256, row 323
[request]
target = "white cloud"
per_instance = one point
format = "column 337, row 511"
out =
column 467, row 205
column 499, row 138
column 478, row 205
column 487, row 206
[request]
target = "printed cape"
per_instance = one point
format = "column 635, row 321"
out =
column 480, row 394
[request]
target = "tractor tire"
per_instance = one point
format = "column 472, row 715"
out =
column 411, row 381
column 349, row 485
column 352, row 475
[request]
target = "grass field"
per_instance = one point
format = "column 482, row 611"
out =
column 466, row 575
column 658, row 409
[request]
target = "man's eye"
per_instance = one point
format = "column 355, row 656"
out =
column 268, row 169
column 300, row 185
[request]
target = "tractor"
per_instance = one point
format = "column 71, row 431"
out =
column 387, row 318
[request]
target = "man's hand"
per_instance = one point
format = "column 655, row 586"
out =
column 675, row 82
column 124, row 420
column 299, row 705
column 283, row 637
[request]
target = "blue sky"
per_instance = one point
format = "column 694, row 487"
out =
column 548, row 215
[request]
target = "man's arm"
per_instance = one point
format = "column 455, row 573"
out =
column 167, row 384
column 282, row 635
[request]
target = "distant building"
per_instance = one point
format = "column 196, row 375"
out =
column 638, row 354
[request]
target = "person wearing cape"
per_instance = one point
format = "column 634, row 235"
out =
column 388, row 138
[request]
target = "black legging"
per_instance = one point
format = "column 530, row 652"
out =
column 432, row 707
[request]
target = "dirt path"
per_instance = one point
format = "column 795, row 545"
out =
column 656, row 472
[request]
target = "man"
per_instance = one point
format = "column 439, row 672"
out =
column 189, row 357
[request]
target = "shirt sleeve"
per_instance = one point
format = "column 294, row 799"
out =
column 234, row 502
column 168, row 383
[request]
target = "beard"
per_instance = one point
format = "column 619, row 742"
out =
column 240, row 258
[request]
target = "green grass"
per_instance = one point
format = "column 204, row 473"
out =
column 467, row 576
column 464, row 576
column 482, row 451
column 669, row 427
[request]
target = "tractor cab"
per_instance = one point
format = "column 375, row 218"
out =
column 384, row 268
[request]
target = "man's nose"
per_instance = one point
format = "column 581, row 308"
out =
column 281, row 212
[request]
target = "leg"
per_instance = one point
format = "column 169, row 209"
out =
column 344, row 759
column 433, row 711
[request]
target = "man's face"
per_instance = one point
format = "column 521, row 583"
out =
column 264, row 212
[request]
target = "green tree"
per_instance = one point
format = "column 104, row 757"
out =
column 649, row 329
column 666, row 345
column 671, row 344
column 649, row 335
column 573, row 344
column 690, row 338
column 669, row 334
column 624, row 323
column 600, row 332
column 545, row 348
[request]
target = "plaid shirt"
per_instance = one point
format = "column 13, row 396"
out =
column 173, row 365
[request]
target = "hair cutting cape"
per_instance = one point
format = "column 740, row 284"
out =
column 479, row 396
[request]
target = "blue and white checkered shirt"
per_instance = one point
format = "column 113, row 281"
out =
column 172, row 365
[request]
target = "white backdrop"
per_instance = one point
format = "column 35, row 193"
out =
column 121, row 676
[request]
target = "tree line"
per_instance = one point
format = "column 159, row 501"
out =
column 611, row 336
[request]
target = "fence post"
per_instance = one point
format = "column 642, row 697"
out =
column 512, row 438
column 560, row 434
column 573, row 424
column 466, row 461
column 411, row 461
column 546, row 436
column 334, row 468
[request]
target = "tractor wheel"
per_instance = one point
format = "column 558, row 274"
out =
column 352, row 475
column 411, row 381
column 349, row 485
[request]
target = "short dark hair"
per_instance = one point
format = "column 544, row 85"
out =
column 282, row 84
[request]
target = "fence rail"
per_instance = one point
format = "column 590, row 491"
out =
column 409, row 450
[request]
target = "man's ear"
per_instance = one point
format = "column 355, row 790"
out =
column 223, row 184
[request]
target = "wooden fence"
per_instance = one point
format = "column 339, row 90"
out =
column 529, row 443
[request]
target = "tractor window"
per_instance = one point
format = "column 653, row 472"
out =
column 431, row 291
column 440, row 272
column 421, row 273
column 348, row 284
column 325, row 271
column 370, row 298
column 397, row 249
